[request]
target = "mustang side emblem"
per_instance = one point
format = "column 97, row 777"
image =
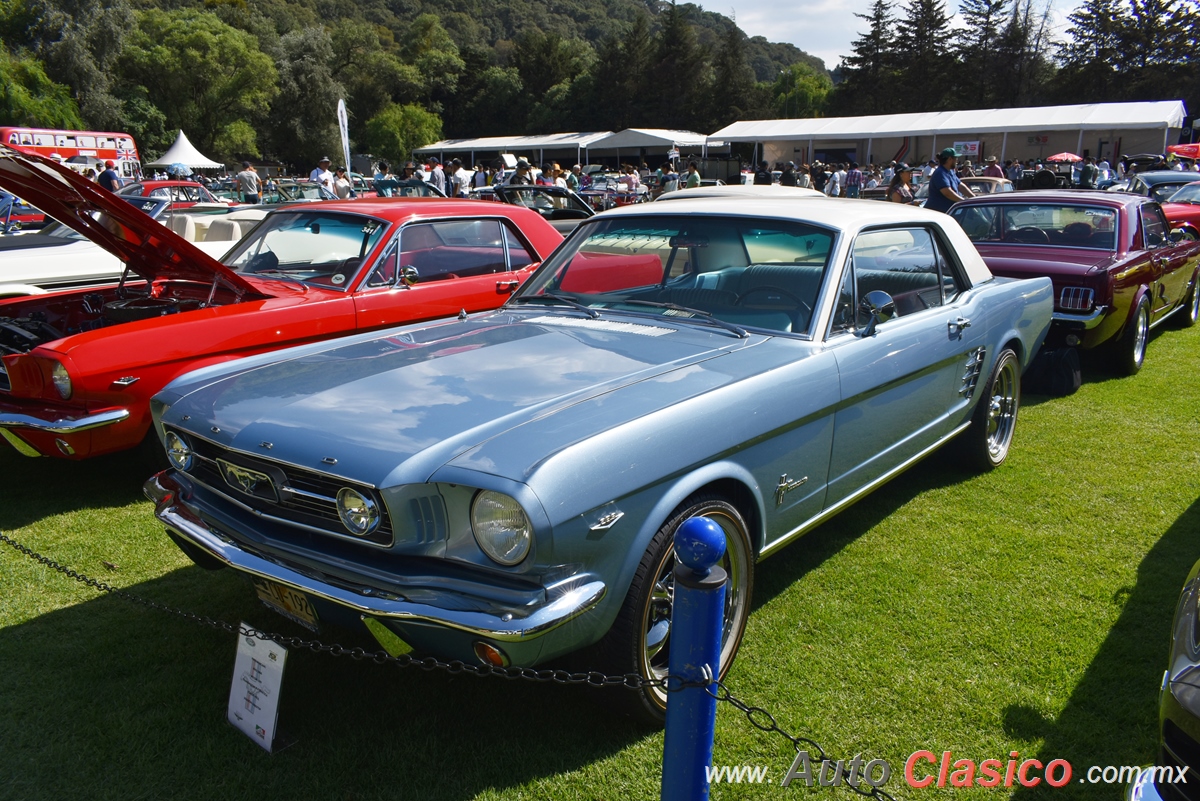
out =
column 248, row 481
column 786, row 486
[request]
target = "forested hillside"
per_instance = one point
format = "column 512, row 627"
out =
column 261, row 78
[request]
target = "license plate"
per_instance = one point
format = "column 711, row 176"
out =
column 292, row 604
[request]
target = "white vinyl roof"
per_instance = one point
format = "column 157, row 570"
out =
column 634, row 138
column 507, row 144
column 185, row 153
column 1087, row 116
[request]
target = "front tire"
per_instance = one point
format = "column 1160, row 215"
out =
column 986, row 442
column 639, row 640
column 1131, row 347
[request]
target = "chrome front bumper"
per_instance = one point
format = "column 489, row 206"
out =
column 63, row 425
column 504, row 624
column 1086, row 321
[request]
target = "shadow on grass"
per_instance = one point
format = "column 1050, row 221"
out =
column 34, row 488
column 1111, row 717
column 121, row 701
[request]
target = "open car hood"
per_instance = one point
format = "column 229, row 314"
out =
column 150, row 249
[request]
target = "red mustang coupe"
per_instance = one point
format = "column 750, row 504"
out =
column 78, row 368
column 1183, row 208
column 1118, row 268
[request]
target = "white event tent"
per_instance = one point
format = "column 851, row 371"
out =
column 1103, row 130
column 185, row 153
column 559, row 145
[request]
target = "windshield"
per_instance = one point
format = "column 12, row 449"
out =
column 547, row 201
column 324, row 249
column 1039, row 224
column 1186, row 194
column 1161, row 192
column 751, row 272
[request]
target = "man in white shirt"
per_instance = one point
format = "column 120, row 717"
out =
column 458, row 179
column 833, row 187
column 321, row 175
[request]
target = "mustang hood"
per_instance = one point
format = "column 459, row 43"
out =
column 418, row 399
column 149, row 249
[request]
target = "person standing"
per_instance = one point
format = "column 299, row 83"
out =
column 900, row 187
column 833, row 184
column 573, row 178
column 945, row 188
column 341, row 184
column 383, row 179
column 248, row 184
column 992, row 170
column 693, row 176
column 788, row 176
column 1089, row 174
column 437, row 176
column 762, row 177
column 854, row 180
column 521, row 176
column 321, row 175
column 457, row 179
column 109, row 179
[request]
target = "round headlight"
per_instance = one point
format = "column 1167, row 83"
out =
column 359, row 514
column 179, row 454
column 62, row 381
column 501, row 527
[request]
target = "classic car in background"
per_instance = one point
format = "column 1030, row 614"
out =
column 182, row 194
column 1118, row 269
column 1160, row 184
column 561, row 207
column 504, row 487
column 740, row 192
column 57, row 257
column 1179, row 708
column 79, row 367
column 980, row 185
column 1183, row 208
column 17, row 215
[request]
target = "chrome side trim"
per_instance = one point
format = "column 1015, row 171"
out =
column 1165, row 317
column 63, row 425
column 825, row 514
column 506, row 624
column 1088, row 320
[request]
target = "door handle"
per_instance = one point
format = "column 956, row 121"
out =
column 503, row 287
column 957, row 325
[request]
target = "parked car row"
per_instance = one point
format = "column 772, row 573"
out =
column 437, row 422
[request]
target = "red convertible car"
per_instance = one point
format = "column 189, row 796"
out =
column 79, row 367
column 182, row 194
column 1118, row 268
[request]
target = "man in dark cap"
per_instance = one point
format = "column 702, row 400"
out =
column 109, row 179
column 437, row 176
column 521, row 177
column 945, row 188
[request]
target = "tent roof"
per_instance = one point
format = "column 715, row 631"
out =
column 633, row 138
column 1088, row 116
column 185, row 153
column 505, row 144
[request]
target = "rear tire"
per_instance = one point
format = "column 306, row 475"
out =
column 986, row 443
column 639, row 640
column 1131, row 347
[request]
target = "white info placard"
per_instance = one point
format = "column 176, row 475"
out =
column 257, row 680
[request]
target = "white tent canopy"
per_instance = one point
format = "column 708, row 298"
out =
column 579, row 142
column 651, row 138
column 1090, row 116
column 185, row 153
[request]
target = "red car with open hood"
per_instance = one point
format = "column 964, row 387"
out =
column 78, row 368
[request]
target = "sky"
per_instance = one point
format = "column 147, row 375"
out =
column 826, row 28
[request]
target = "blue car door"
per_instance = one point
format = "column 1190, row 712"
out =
column 906, row 383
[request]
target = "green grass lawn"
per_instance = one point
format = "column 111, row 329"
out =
column 1024, row 610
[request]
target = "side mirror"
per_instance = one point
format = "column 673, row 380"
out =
column 409, row 276
column 878, row 307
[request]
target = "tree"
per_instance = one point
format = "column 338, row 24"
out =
column 735, row 94
column 680, row 72
column 979, row 51
column 1092, row 54
column 926, row 63
column 428, row 47
column 29, row 97
column 870, row 85
column 396, row 130
column 801, row 91
column 204, row 75
column 302, row 124
column 1023, row 70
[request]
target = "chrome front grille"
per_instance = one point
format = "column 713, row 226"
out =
column 971, row 370
column 305, row 498
column 1075, row 298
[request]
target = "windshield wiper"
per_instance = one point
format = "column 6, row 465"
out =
column 557, row 298
column 706, row 316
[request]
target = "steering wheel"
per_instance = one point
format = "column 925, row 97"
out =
column 1029, row 235
column 772, row 288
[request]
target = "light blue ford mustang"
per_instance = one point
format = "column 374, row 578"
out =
column 503, row 487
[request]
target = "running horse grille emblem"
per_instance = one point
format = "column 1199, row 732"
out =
column 250, row 482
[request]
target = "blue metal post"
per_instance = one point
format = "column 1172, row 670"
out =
column 697, row 618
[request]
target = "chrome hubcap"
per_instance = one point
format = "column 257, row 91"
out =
column 1002, row 410
column 1139, row 339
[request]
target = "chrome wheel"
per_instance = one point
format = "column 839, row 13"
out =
column 654, row 647
column 1002, row 407
column 1140, row 333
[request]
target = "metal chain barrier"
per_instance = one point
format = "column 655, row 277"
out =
column 757, row 716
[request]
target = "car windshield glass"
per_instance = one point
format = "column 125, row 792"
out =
column 1186, row 194
column 750, row 272
column 1066, row 225
column 1161, row 192
column 542, row 200
column 320, row 248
